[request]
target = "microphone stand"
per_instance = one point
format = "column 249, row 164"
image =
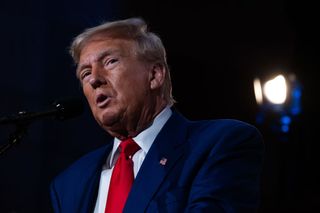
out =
column 60, row 110
column 22, row 121
column 15, row 137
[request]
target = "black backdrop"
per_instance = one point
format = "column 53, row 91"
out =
column 214, row 51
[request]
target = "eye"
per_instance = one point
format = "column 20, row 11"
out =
column 110, row 62
column 85, row 73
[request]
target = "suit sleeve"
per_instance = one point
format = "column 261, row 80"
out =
column 228, row 180
column 54, row 198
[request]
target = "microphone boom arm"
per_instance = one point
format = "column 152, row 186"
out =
column 60, row 110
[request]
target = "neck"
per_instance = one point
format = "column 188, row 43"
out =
column 147, row 120
column 143, row 120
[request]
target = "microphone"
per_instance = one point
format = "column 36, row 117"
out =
column 60, row 109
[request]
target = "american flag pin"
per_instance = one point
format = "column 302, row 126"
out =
column 163, row 161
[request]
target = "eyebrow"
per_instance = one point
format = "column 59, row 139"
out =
column 98, row 57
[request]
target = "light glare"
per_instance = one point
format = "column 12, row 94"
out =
column 257, row 90
column 275, row 90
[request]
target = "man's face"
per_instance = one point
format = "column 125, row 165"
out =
column 115, row 83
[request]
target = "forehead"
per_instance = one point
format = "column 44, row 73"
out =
column 97, row 48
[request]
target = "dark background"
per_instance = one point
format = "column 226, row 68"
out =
column 214, row 50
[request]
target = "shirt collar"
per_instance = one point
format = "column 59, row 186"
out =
column 145, row 138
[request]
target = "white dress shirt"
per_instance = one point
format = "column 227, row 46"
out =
column 144, row 140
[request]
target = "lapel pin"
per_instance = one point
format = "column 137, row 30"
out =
column 163, row 161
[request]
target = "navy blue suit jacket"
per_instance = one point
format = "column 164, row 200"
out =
column 212, row 166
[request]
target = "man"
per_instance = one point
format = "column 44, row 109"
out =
column 175, row 165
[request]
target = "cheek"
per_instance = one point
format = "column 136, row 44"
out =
column 89, row 95
column 135, row 94
column 137, row 84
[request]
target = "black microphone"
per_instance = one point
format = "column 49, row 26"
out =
column 60, row 109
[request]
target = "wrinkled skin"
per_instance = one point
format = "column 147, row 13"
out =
column 124, row 92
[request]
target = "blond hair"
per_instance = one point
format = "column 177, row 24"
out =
column 149, row 45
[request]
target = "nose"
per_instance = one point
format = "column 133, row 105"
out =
column 96, row 80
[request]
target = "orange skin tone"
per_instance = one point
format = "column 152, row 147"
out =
column 123, row 92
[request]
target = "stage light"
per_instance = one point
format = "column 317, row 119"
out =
column 275, row 90
column 279, row 100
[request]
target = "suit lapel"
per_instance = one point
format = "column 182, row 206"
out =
column 166, row 150
column 92, row 186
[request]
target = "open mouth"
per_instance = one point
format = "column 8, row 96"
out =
column 102, row 100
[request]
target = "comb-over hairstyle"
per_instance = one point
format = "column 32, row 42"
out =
column 149, row 47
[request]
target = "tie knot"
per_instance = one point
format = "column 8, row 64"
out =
column 129, row 147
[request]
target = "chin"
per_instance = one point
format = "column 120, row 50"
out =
column 108, row 119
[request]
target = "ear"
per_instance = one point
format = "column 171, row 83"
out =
column 157, row 76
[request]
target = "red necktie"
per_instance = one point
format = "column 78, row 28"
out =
column 122, row 177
